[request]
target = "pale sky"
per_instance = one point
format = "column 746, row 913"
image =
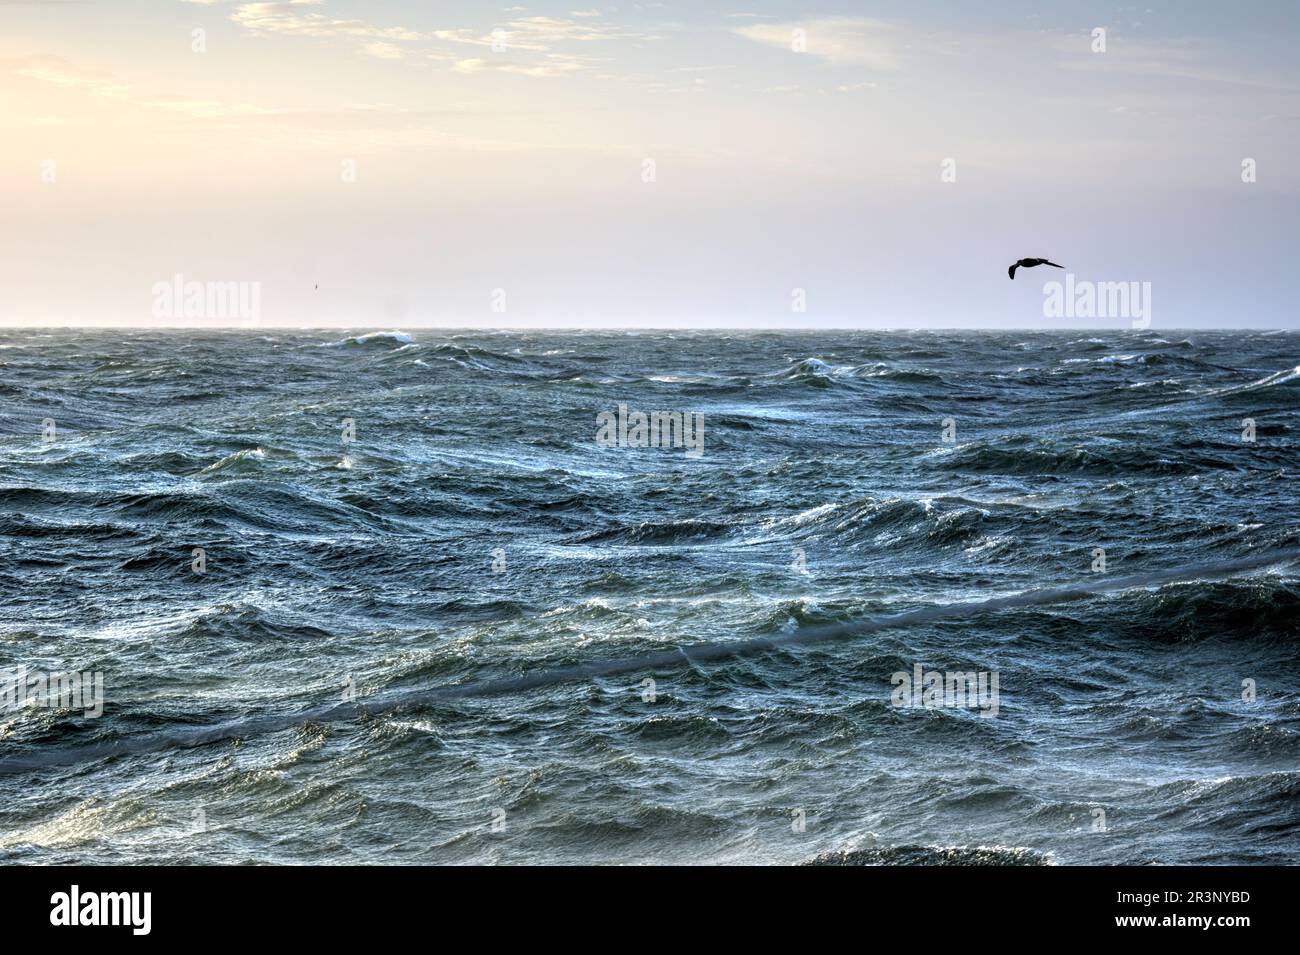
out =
column 794, row 146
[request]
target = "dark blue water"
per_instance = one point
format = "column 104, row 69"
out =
column 476, row 531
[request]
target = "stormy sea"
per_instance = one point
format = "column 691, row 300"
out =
column 850, row 598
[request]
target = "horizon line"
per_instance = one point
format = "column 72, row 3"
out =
column 632, row 328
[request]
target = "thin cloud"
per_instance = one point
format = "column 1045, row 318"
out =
column 858, row 40
column 286, row 18
column 522, row 35
column 1184, row 60
column 561, row 67
column 56, row 71
column 382, row 50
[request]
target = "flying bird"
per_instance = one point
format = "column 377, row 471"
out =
column 1029, row 264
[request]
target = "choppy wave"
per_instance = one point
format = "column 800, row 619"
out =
column 932, row 855
column 453, row 605
column 371, row 338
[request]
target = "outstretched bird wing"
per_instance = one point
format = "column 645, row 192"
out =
column 1053, row 264
column 1011, row 272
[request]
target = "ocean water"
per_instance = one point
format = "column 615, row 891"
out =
column 286, row 701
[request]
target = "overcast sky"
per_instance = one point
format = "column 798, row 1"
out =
column 794, row 146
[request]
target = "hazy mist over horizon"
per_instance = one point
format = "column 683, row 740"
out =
column 397, row 165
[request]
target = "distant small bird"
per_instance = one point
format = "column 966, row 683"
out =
column 1029, row 264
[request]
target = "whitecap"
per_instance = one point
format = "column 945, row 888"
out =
column 400, row 337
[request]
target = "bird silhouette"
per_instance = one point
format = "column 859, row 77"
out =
column 1029, row 264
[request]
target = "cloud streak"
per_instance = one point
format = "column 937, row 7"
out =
column 875, row 44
